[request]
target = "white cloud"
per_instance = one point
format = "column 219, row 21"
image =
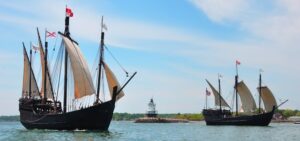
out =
column 220, row 10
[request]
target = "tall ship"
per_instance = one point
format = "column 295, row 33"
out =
column 249, row 114
column 82, row 106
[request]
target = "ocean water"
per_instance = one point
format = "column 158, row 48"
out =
column 129, row 131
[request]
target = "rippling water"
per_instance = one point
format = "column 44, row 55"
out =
column 128, row 131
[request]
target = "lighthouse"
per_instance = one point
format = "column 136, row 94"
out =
column 151, row 109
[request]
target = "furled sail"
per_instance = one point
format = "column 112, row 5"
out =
column 217, row 96
column 26, row 75
column 112, row 81
column 83, row 84
column 248, row 103
column 268, row 98
column 49, row 89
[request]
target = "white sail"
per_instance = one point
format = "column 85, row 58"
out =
column 217, row 96
column 268, row 98
column 248, row 103
column 49, row 90
column 26, row 75
column 83, row 84
column 112, row 81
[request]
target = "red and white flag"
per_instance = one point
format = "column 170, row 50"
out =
column 237, row 62
column 51, row 34
column 69, row 12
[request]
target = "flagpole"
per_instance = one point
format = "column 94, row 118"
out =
column 101, row 24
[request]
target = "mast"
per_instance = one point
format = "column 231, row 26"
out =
column 236, row 90
column 45, row 73
column 30, row 70
column 206, row 99
column 67, row 33
column 42, row 53
column 100, row 61
column 260, row 91
column 219, row 80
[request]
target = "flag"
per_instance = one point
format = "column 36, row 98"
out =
column 35, row 48
column 104, row 26
column 237, row 62
column 69, row 12
column 51, row 34
column 261, row 70
column 207, row 92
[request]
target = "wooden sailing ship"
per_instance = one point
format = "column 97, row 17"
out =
column 41, row 109
column 249, row 116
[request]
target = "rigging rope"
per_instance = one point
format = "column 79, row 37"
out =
column 127, row 75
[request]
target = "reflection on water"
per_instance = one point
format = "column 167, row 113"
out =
column 128, row 131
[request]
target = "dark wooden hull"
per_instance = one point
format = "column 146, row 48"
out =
column 211, row 118
column 97, row 117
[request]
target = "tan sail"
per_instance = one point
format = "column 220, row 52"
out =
column 26, row 75
column 268, row 98
column 248, row 103
column 112, row 81
column 49, row 90
column 83, row 84
column 217, row 96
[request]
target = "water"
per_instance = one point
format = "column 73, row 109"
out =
column 128, row 131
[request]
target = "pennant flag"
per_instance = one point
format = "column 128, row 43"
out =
column 69, row 12
column 104, row 26
column 208, row 92
column 35, row 48
column 237, row 62
column 51, row 34
column 261, row 70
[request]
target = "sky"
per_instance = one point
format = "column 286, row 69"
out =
column 174, row 45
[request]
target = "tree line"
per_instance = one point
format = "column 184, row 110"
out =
column 286, row 113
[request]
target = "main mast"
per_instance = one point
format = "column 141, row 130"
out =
column 67, row 33
column 259, row 98
column 100, row 62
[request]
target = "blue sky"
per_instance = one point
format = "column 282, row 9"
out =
column 173, row 44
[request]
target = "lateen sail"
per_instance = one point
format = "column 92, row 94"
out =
column 217, row 96
column 49, row 89
column 248, row 103
column 112, row 81
column 268, row 98
column 26, row 75
column 83, row 84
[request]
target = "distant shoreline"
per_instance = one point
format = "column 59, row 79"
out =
column 184, row 116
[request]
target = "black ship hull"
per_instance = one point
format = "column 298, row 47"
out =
column 215, row 117
column 96, row 117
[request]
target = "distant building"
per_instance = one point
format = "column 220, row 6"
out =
column 294, row 118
